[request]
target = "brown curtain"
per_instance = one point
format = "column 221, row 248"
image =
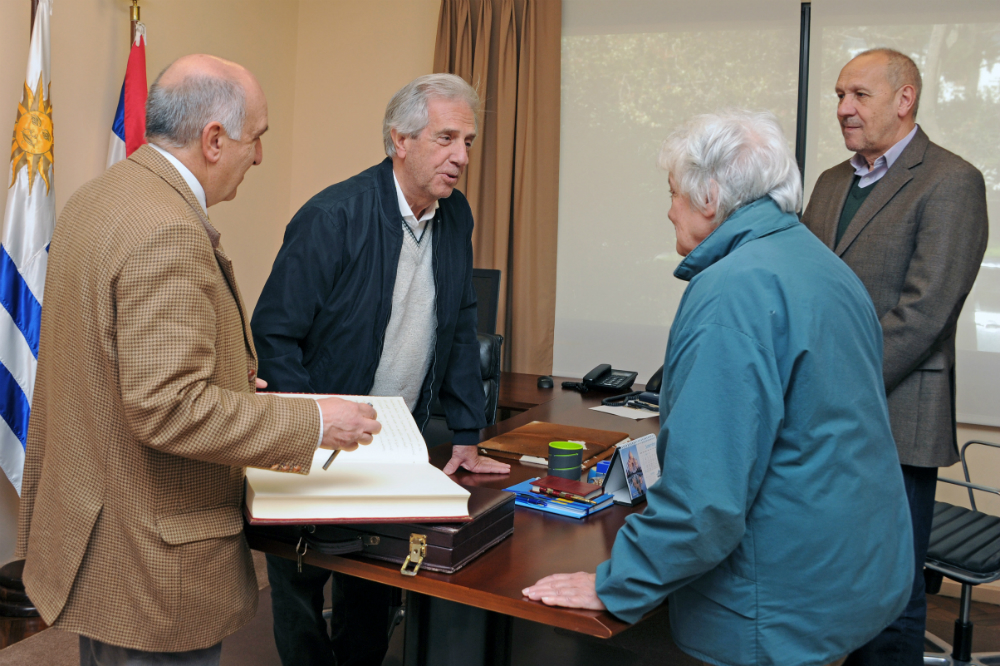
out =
column 509, row 50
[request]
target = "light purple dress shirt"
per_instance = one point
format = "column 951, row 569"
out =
column 882, row 164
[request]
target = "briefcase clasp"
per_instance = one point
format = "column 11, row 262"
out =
column 418, row 549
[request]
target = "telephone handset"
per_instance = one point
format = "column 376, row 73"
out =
column 655, row 381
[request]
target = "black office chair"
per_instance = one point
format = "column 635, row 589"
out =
column 964, row 546
column 436, row 431
column 486, row 282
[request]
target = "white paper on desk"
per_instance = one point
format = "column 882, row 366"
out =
column 627, row 412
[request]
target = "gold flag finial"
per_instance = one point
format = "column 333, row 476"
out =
column 135, row 10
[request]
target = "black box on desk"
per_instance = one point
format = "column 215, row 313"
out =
column 441, row 547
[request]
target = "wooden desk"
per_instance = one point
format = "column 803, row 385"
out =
column 519, row 390
column 542, row 544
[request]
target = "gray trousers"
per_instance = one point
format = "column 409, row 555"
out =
column 96, row 653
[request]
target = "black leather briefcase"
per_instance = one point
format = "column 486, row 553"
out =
column 442, row 547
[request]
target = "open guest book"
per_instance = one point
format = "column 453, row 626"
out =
column 390, row 480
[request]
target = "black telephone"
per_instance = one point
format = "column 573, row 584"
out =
column 648, row 399
column 604, row 378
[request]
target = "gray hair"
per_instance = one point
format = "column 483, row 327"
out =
column 407, row 110
column 175, row 116
column 733, row 158
column 900, row 70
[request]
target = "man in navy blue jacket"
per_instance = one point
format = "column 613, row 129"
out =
column 371, row 294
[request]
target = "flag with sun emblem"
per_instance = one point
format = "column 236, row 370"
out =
column 27, row 229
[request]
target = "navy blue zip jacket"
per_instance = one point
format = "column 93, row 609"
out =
column 321, row 318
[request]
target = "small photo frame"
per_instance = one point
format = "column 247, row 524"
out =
column 634, row 467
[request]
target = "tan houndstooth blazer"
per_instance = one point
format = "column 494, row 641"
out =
column 142, row 420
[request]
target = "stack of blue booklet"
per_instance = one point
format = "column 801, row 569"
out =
column 564, row 507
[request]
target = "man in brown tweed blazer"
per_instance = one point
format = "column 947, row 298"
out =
column 144, row 412
column 909, row 218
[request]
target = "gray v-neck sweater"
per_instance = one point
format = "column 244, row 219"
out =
column 411, row 334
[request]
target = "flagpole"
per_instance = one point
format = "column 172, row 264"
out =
column 34, row 7
column 128, row 128
column 135, row 18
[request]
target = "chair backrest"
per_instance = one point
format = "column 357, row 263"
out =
column 436, row 430
column 487, row 284
column 965, row 544
column 489, row 366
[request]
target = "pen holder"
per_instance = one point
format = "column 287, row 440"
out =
column 565, row 459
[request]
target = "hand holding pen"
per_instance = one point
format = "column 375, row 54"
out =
column 346, row 425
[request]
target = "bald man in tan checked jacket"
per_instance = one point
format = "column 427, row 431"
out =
column 144, row 413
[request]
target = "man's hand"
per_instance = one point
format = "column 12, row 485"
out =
column 576, row 590
column 347, row 424
column 468, row 458
column 259, row 383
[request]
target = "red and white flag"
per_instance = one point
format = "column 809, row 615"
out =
column 128, row 131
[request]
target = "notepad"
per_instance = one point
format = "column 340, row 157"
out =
column 524, row 497
column 389, row 480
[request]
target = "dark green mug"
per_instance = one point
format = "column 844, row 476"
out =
column 565, row 459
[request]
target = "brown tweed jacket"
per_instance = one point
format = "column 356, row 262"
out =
column 916, row 243
column 142, row 420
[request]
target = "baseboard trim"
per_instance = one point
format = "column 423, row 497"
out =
column 987, row 592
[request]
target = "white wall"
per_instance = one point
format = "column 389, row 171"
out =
column 632, row 71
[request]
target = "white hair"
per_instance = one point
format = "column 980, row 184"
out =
column 732, row 158
column 407, row 110
column 176, row 115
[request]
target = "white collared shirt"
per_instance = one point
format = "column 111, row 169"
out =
column 189, row 178
column 882, row 164
column 416, row 225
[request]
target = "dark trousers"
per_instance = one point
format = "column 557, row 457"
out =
column 902, row 642
column 358, row 634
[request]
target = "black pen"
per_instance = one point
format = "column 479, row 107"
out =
column 329, row 460
column 333, row 455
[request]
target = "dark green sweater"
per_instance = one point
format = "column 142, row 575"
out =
column 855, row 198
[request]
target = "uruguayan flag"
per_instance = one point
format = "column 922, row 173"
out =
column 27, row 229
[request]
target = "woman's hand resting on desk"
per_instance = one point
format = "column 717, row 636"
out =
column 575, row 590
